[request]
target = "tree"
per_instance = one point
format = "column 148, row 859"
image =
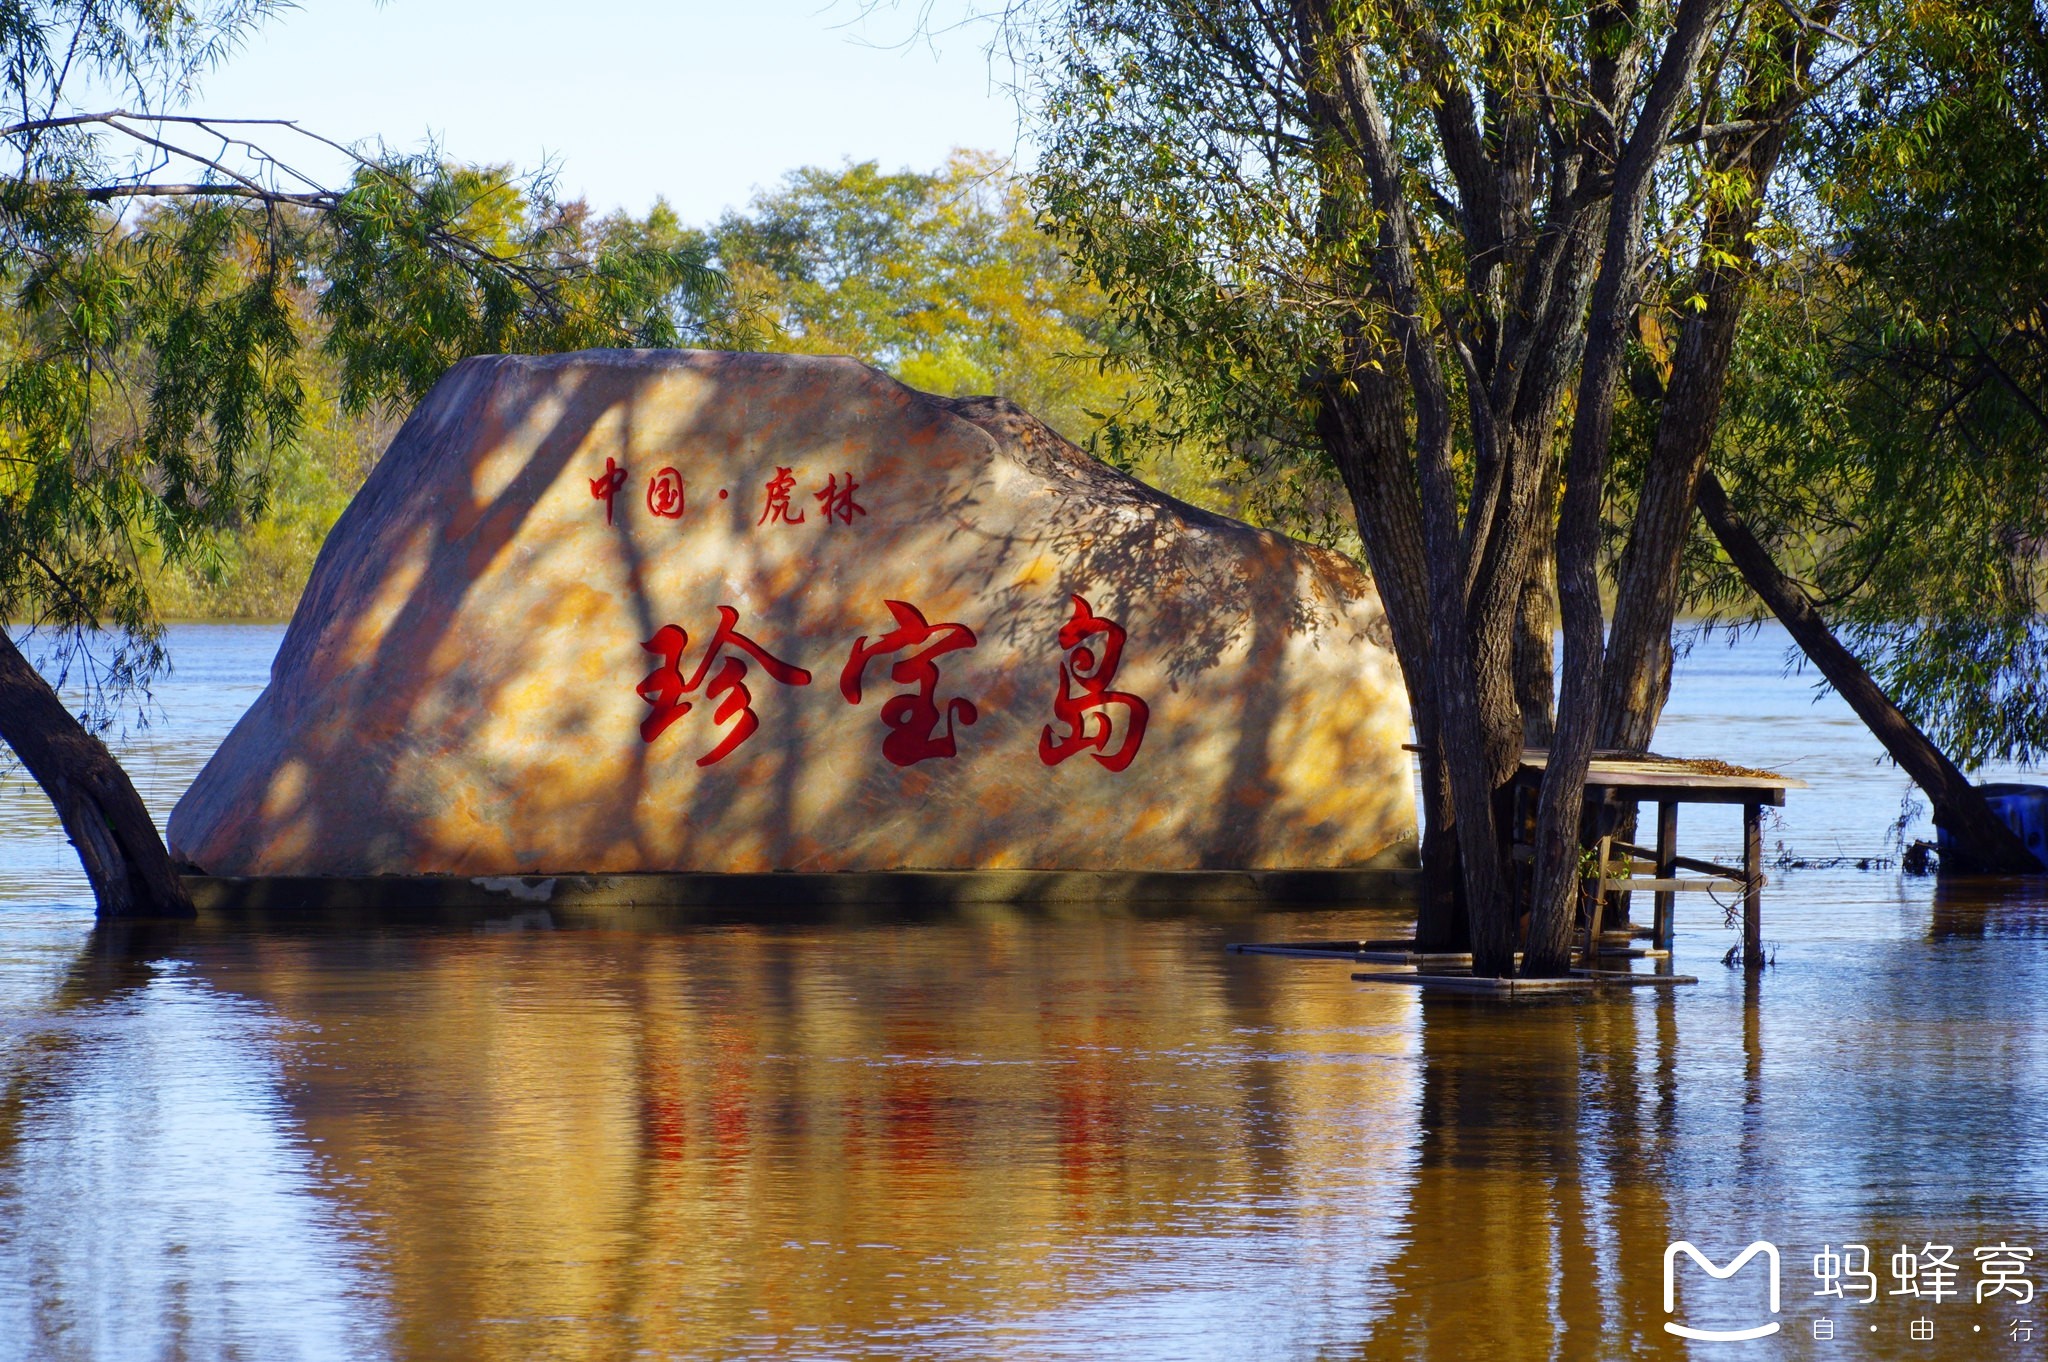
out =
column 1419, row 236
column 1886, row 430
column 1982, row 840
column 940, row 278
column 164, row 273
column 944, row 279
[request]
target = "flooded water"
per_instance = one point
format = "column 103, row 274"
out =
column 1023, row 1136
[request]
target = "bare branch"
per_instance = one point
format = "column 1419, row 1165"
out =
column 1813, row 25
column 109, row 115
column 108, row 193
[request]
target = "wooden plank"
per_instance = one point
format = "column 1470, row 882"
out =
column 1613, row 946
column 1421, row 960
column 1640, row 773
column 1581, row 981
column 1630, row 979
column 1465, row 983
column 1678, row 886
column 1594, row 909
column 1672, row 771
column 1681, row 862
column 1691, row 784
column 1630, row 792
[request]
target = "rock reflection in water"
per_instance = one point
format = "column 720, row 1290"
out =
column 736, row 1142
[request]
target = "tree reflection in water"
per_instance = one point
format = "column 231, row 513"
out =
column 157, row 1196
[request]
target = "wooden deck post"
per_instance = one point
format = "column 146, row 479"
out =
column 1663, row 927
column 1753, row 885
column 1593, row 909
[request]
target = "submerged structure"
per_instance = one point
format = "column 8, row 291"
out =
column 684, row 611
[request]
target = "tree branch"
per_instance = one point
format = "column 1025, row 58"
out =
column 107, row 193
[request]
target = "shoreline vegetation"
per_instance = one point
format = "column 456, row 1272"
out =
column 256, row 575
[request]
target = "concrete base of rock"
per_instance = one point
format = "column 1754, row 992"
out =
column 657, row 900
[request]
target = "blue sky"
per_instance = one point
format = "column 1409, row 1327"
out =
column 701, row 102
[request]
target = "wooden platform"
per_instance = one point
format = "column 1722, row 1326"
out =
column 1448, row 972
column 1581, row 981
column 1615, row 780
column 1651, row 778
column 1401, row 950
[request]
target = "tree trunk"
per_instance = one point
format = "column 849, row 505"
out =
column 1637, row 678
column 1985, row 842
column 1364, row 430
column 1440, row 920
column 1535, row 635
column 1561, row 802
column 1348, row 107
column 104, row 817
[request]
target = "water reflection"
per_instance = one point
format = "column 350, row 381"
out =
column 160, row 1200
column 726, row 1144
column 1114, row 1138
column 2014, row 907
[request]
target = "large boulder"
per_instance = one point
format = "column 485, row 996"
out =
column 681, row 611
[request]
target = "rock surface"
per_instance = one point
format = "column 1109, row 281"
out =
column 617, row 611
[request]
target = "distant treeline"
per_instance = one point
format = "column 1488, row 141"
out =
column 943, row 279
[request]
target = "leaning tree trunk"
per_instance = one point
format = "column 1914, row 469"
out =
column 1984, row 841
column 104, row 817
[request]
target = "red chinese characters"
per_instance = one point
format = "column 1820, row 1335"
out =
column 607, row 485
column 781, row 503
column 918, row 728
column 838, row 502
column 775, row 505
column 665, row 494
column 1094, row 647
column 665, row 687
